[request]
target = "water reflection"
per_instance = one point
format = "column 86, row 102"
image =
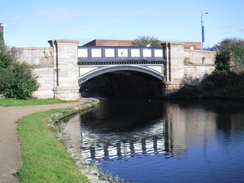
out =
column 122, row 128
column 167, row 141
column 121, row 131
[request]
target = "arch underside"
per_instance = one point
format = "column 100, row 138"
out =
column 108, row 69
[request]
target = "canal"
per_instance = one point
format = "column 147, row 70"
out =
column 145, row 141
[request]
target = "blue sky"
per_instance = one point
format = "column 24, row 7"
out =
column 32, row 23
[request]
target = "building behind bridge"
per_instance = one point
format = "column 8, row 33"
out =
column 128, row 43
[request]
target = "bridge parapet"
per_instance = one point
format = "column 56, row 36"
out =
column 123, row 55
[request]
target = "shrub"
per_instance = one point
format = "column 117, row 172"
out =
column 1, row 37
column 222, row 60
column 17, row 80
column 217, row 79
column 208, row 85
column 6, row 57
column 230, row 55
column 237, row 54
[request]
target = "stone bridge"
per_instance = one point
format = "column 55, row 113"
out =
column 64, row 67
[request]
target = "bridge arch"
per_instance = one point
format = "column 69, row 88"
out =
column 107, row 69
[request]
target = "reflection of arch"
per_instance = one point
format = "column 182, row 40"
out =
column 103, row 70
column 99, row 144
column 126, row 149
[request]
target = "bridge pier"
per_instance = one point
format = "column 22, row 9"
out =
column 65, row 69
column 174, row 67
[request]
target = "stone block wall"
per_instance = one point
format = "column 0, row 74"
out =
column 198, row 64
column 194, row 74
column 38, row 57
column 43, row 62
column 199, row 57
column 45, row 80
column 56, row 68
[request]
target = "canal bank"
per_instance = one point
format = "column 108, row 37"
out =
column 86, row 168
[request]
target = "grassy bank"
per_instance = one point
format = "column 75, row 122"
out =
column 44, row 158
column 15, row 102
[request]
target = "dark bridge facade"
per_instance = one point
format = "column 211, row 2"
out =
column 94, row 61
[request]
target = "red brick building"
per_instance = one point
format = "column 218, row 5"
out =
column 105, row 42
column 115, row 43
column 193, row 45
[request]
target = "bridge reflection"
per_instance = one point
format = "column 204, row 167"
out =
column 114, row 146
column 122, row 150
column 152, row 129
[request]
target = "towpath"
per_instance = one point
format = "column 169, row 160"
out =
column 10, row 157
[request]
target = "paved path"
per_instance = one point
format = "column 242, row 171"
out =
column 10, row 157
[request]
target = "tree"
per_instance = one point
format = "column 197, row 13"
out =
column 227, row 43
column 16, row 79
column 230, row 54
column 146, row 41
column 1, row 36
column 222, row 60
column 6, row 57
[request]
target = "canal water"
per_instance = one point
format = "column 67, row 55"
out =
column 156, row 141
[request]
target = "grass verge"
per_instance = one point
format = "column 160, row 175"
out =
column 44, row 158
column 16, row 102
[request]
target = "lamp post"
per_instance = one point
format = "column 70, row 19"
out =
column 202, row 26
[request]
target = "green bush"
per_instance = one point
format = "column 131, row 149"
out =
column 16, row 79
column 238, row 55
column 208, row 85
column 6, row 57
column 237, row 59
column 222, row 60
column 1, row 37
column 223, row 83
column 230, row 55
column 219, row 78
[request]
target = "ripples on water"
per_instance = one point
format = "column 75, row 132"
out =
column 156, row 141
